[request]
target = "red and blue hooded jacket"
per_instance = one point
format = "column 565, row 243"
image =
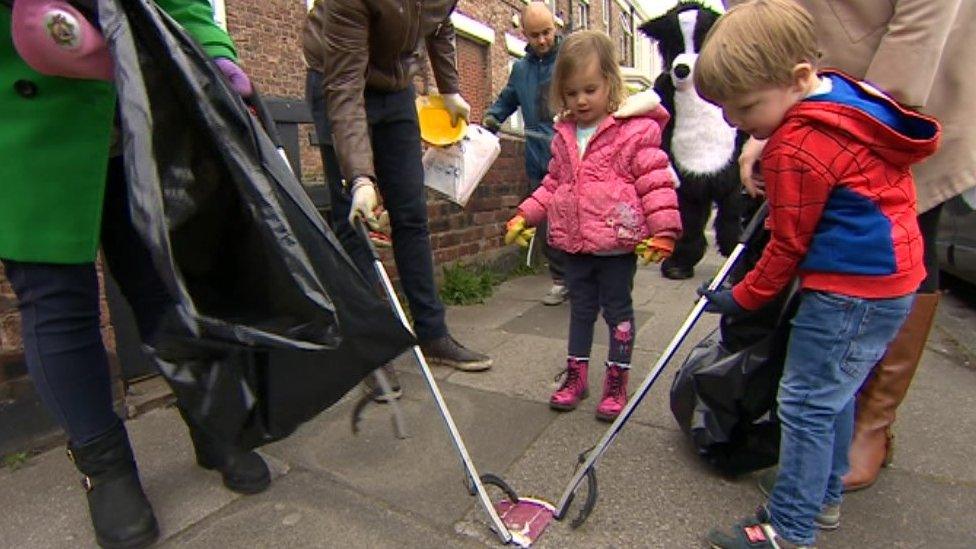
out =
column 842, row 198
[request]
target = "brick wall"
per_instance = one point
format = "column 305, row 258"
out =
column 475, row 77
column 9, row 325
column 268, row 34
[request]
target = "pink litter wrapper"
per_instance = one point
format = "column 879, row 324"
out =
column 56, row 39
column 525, row 519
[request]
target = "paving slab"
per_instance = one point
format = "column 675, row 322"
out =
column 906, row 509
column 420, row 475
column 653, row 493
column 650, row 493
column 524, row 288
column 492, row 314
column 533, row 379
column 936, row 426
column 49, row 486
column 546, row 321
column 308, row 509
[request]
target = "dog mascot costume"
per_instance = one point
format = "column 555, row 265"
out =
column 703, row 148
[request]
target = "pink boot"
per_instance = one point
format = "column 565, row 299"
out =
column 614, row 392
column 573, row 389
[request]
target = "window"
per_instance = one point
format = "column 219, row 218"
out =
column 627, row 39
column 606, row 15
column 219, row 13
column 583, row 15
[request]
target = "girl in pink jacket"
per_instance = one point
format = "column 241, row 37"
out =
column 609, row 191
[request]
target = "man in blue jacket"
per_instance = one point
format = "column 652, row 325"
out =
column 528, row 88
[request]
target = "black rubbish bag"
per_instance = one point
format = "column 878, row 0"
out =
column 271, row 321
column 724, row 394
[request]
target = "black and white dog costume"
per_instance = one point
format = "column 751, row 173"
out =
column 703, row 148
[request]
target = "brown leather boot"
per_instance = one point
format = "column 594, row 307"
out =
column 883, row 391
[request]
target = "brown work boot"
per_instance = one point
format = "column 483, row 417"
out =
column 446, row 351
column 883, row 391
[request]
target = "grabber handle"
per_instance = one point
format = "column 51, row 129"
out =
column 364, row 234
column 755, row 223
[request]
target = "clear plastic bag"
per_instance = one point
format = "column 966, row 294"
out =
column 456, row 170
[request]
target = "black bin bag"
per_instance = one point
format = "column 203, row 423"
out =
column 724, row 394
column 270, row 321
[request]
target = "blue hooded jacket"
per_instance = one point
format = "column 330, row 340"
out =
column 528, row 87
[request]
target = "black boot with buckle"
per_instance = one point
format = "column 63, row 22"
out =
column 244, row 472
column 120, row 512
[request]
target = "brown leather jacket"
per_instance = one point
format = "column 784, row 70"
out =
column 376, row 45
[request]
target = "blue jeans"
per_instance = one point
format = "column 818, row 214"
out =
column 834, row 343
column 397, row 159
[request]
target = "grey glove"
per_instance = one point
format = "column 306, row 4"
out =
column 490, row 123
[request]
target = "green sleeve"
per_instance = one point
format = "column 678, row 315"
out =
column 196, row 16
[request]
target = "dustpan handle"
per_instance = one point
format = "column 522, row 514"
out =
column 261, row 110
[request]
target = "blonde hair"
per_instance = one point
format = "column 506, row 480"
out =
column 753, row 46
column 575, row 54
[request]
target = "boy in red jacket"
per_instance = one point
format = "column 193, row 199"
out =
column 842, row 218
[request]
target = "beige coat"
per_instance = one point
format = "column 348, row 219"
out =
column 920, row 51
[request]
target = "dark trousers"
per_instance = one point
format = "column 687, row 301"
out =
column 555, row 257
column 928, row 223
column 395, row 137
column 59, row 310
column 601, row 283
column 695, row 199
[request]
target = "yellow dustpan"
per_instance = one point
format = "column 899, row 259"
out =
column 435, row 122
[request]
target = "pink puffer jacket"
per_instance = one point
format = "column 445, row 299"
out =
column 619, row 193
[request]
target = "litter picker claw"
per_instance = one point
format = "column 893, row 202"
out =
column 590, row 457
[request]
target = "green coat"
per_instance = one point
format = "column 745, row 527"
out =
column 55, row 135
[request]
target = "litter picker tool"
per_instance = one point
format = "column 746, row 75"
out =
column 474, row 482
column 589, row 458
column 529, row 517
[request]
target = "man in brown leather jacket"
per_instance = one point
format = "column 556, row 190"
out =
column 361, row 57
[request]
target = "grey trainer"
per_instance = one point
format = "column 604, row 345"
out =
column 827, row 519
column 556, row 295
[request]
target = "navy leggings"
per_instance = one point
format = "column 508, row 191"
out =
column 601, row 283
column 59, row 311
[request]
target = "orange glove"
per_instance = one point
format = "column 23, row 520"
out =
column 517, row 232
column 655, row 249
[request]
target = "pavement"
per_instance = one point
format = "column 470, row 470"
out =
column 337, row 489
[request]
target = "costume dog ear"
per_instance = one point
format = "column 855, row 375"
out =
column 706, row 19
column 658, row 28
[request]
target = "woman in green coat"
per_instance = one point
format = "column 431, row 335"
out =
column 61, row 195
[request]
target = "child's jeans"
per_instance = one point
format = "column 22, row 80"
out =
column 835, row 342
column 601, row 283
